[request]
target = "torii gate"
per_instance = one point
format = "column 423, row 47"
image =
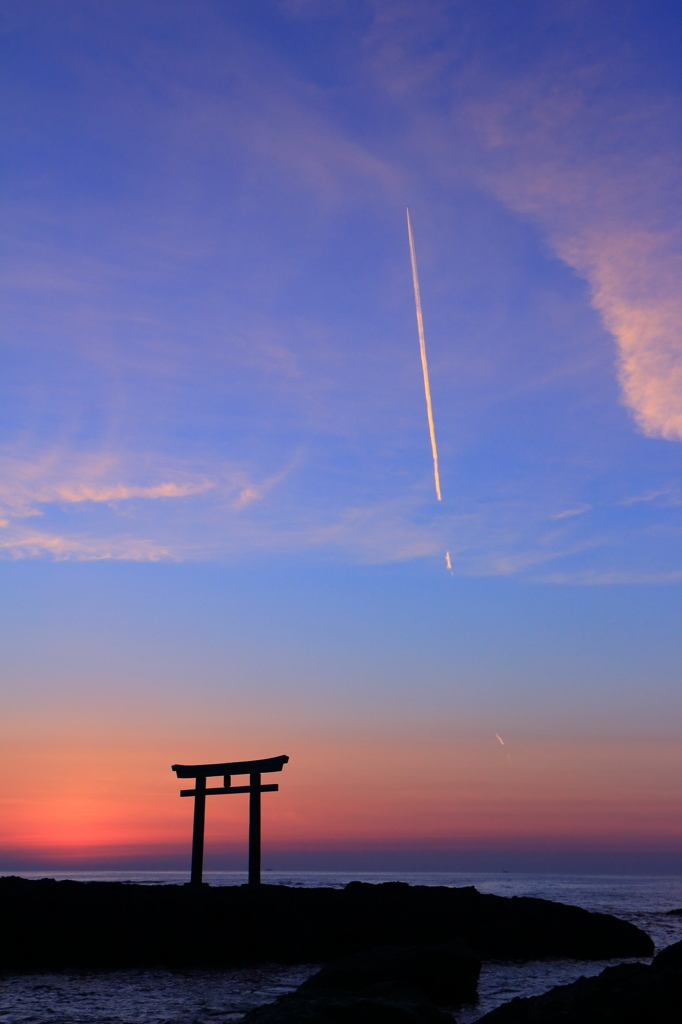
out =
column 200, row 772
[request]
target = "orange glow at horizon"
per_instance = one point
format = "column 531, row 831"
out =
column 560, row 790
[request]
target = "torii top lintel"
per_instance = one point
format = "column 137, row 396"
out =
column 261, row 767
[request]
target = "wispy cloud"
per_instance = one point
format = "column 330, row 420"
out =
column 257, row 491
column 34, row 543
column 670, row 496
column 601, row 207
column 635, row 277
column 60, row 476
column 121, row 492
column 572, row 512
column 223, row 512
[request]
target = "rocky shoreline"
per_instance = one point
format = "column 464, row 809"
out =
column 391, row 953
column 426, row 984
column 103, row 925
column 623, row 994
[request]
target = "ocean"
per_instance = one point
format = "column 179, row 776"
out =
column 218, row 997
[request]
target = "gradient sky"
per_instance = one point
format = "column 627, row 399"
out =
column 218, row 520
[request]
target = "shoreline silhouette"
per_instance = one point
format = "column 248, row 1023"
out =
column 53, row 925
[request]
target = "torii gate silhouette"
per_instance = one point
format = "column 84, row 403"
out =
column 200, row 772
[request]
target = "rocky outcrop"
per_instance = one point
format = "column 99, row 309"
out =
column 381, row 986
column 625, row 994
column 53, row 925
column 669, row 959
column 445, row 974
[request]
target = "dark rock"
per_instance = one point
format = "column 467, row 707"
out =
column 347, row 1009
column 51, row 925
column 625, row 994
column 677, row 911
column 446, row 974
column 669, row 959
column 496, row 927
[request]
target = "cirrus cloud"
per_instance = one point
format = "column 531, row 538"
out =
column 602, row 207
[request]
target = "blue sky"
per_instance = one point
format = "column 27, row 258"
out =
column 214, row 441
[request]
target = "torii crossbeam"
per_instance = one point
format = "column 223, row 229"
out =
column 201, row 772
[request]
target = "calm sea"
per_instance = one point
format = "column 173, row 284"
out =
column 215, row 997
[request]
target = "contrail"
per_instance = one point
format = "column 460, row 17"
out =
column 500, row 739
column 448, row 563
column 422, row 350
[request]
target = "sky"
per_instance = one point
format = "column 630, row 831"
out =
column 219, row 532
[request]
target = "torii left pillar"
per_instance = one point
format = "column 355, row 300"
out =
column 198, row 831
column 200, row 772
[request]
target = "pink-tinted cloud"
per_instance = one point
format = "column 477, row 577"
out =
column 635, row 279
column 58, row 476
column 600, row 204
column 23, row 543
column 121, row 492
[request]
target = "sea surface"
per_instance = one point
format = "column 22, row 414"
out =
column 218, row 997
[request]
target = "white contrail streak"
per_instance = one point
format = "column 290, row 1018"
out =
column 422, row 350
column 448, row 562
column 500, row 739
